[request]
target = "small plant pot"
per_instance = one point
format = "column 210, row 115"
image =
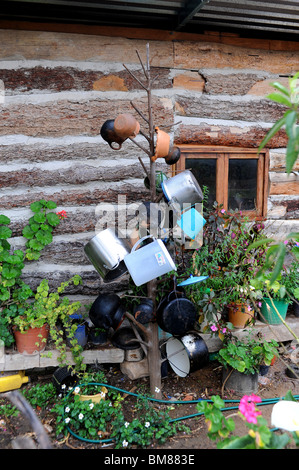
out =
column 239, row 316
column 63, row 378
column 95, row 398
column 238, row 382
column 31, row 341
column 269, row 314
column 80, row 333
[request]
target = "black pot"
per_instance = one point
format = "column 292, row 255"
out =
column 124, row 338
column 176, row 314
column 294, row 373
column 104, row 309
column 97, row 338
column 108, row 133
column 64, row 376
column 187, row 354
column 144, row 311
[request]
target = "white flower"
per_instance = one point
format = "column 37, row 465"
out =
column 67, row 410
column 63, row 386
column 125, row 443
column 110, row 404
column 126, row 424
column 81, row 416
column 77, row 390
column 91, row 405
column 147, row 424
column 67, row 420
column 103, row 395
column 285, row 415
column 157, row 390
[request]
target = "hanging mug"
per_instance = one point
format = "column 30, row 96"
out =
column 109, row 135
column 125, row 126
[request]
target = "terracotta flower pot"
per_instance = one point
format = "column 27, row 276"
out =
column 162, row 144
column 239, row 315
column 30, row 342
column 125, row 125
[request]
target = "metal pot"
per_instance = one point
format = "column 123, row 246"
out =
column 144, row 311
column 176, row 314
column 187, row 354
column 107, row 311
column 182, row 189
column 106, row 251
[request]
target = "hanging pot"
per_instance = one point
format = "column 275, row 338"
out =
column 124, row 338
column 149, row 261
column 109, row 135
column 106, row 251
column 162, row 144
column 173, row 155
column 31, row 341
column 176, row 314
column 107, row 311
column 63, row 378
column 144, row 311
column 125, row 125
column 182, row 189
column 187, row 354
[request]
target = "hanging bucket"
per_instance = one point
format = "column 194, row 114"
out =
column 187, row 354
column 182, row 189
column 106, row 251
column 149, row 261
column 191, row 222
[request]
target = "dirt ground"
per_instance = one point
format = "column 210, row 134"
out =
column 202, row 383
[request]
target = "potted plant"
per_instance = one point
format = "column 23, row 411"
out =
column 224, row 257
column 45, row 313
column 242, row 359
column 290, row 280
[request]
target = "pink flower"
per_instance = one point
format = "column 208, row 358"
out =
column 248, row 409
column 61, row 214
column 223, row 330
column 214, row 328
column 249, row 308
column 222, row 211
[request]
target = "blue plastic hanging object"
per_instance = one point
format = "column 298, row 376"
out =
column 191, row 222
column 193, row 280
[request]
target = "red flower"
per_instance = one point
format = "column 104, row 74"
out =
column 61, row 214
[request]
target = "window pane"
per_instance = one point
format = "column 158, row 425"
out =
column 242, row 184
column 204, row 171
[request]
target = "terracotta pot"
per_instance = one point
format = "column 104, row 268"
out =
column 30, row 342
column 162, row 144
column 238, row 314
column 125, row 125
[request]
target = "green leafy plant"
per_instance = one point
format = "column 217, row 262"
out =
column 40, row 227
column 259, row 436
column 248, row 354
column 40, row 395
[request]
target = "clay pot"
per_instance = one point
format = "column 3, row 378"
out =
column 162, row 144
column 238, row 315
column 125, row 125
column 30, row 341
column 109, row 135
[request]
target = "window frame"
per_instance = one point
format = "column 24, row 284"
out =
column 222, row 155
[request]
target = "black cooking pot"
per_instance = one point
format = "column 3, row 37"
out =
column 124, row 338
column 107, row 311
column 176, row 314
column 144, row 311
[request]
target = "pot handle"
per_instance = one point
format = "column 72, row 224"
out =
column 114, row 267
column 140, row 241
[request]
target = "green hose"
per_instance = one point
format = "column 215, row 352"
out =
column 268, row 401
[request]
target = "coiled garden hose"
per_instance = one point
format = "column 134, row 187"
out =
column 267, row 401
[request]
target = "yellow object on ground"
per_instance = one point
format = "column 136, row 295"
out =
column 12, row 382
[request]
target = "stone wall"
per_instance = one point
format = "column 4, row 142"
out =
column 59, row 90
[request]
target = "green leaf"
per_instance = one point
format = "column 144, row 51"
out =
column 53, row 219
column 35, row 245
column 5, row 233
column 36, row 206
column 44, row 237
column 281, row 88
column 27, row 232
column 274, row 129
column 279, row 262
column 279, row 99
column 4, row 220
column 51, row 205
column 40, row 218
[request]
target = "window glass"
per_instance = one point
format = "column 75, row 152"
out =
column 204, row 171
column 242, row 184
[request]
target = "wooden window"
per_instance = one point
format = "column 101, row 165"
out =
column 235, row 177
